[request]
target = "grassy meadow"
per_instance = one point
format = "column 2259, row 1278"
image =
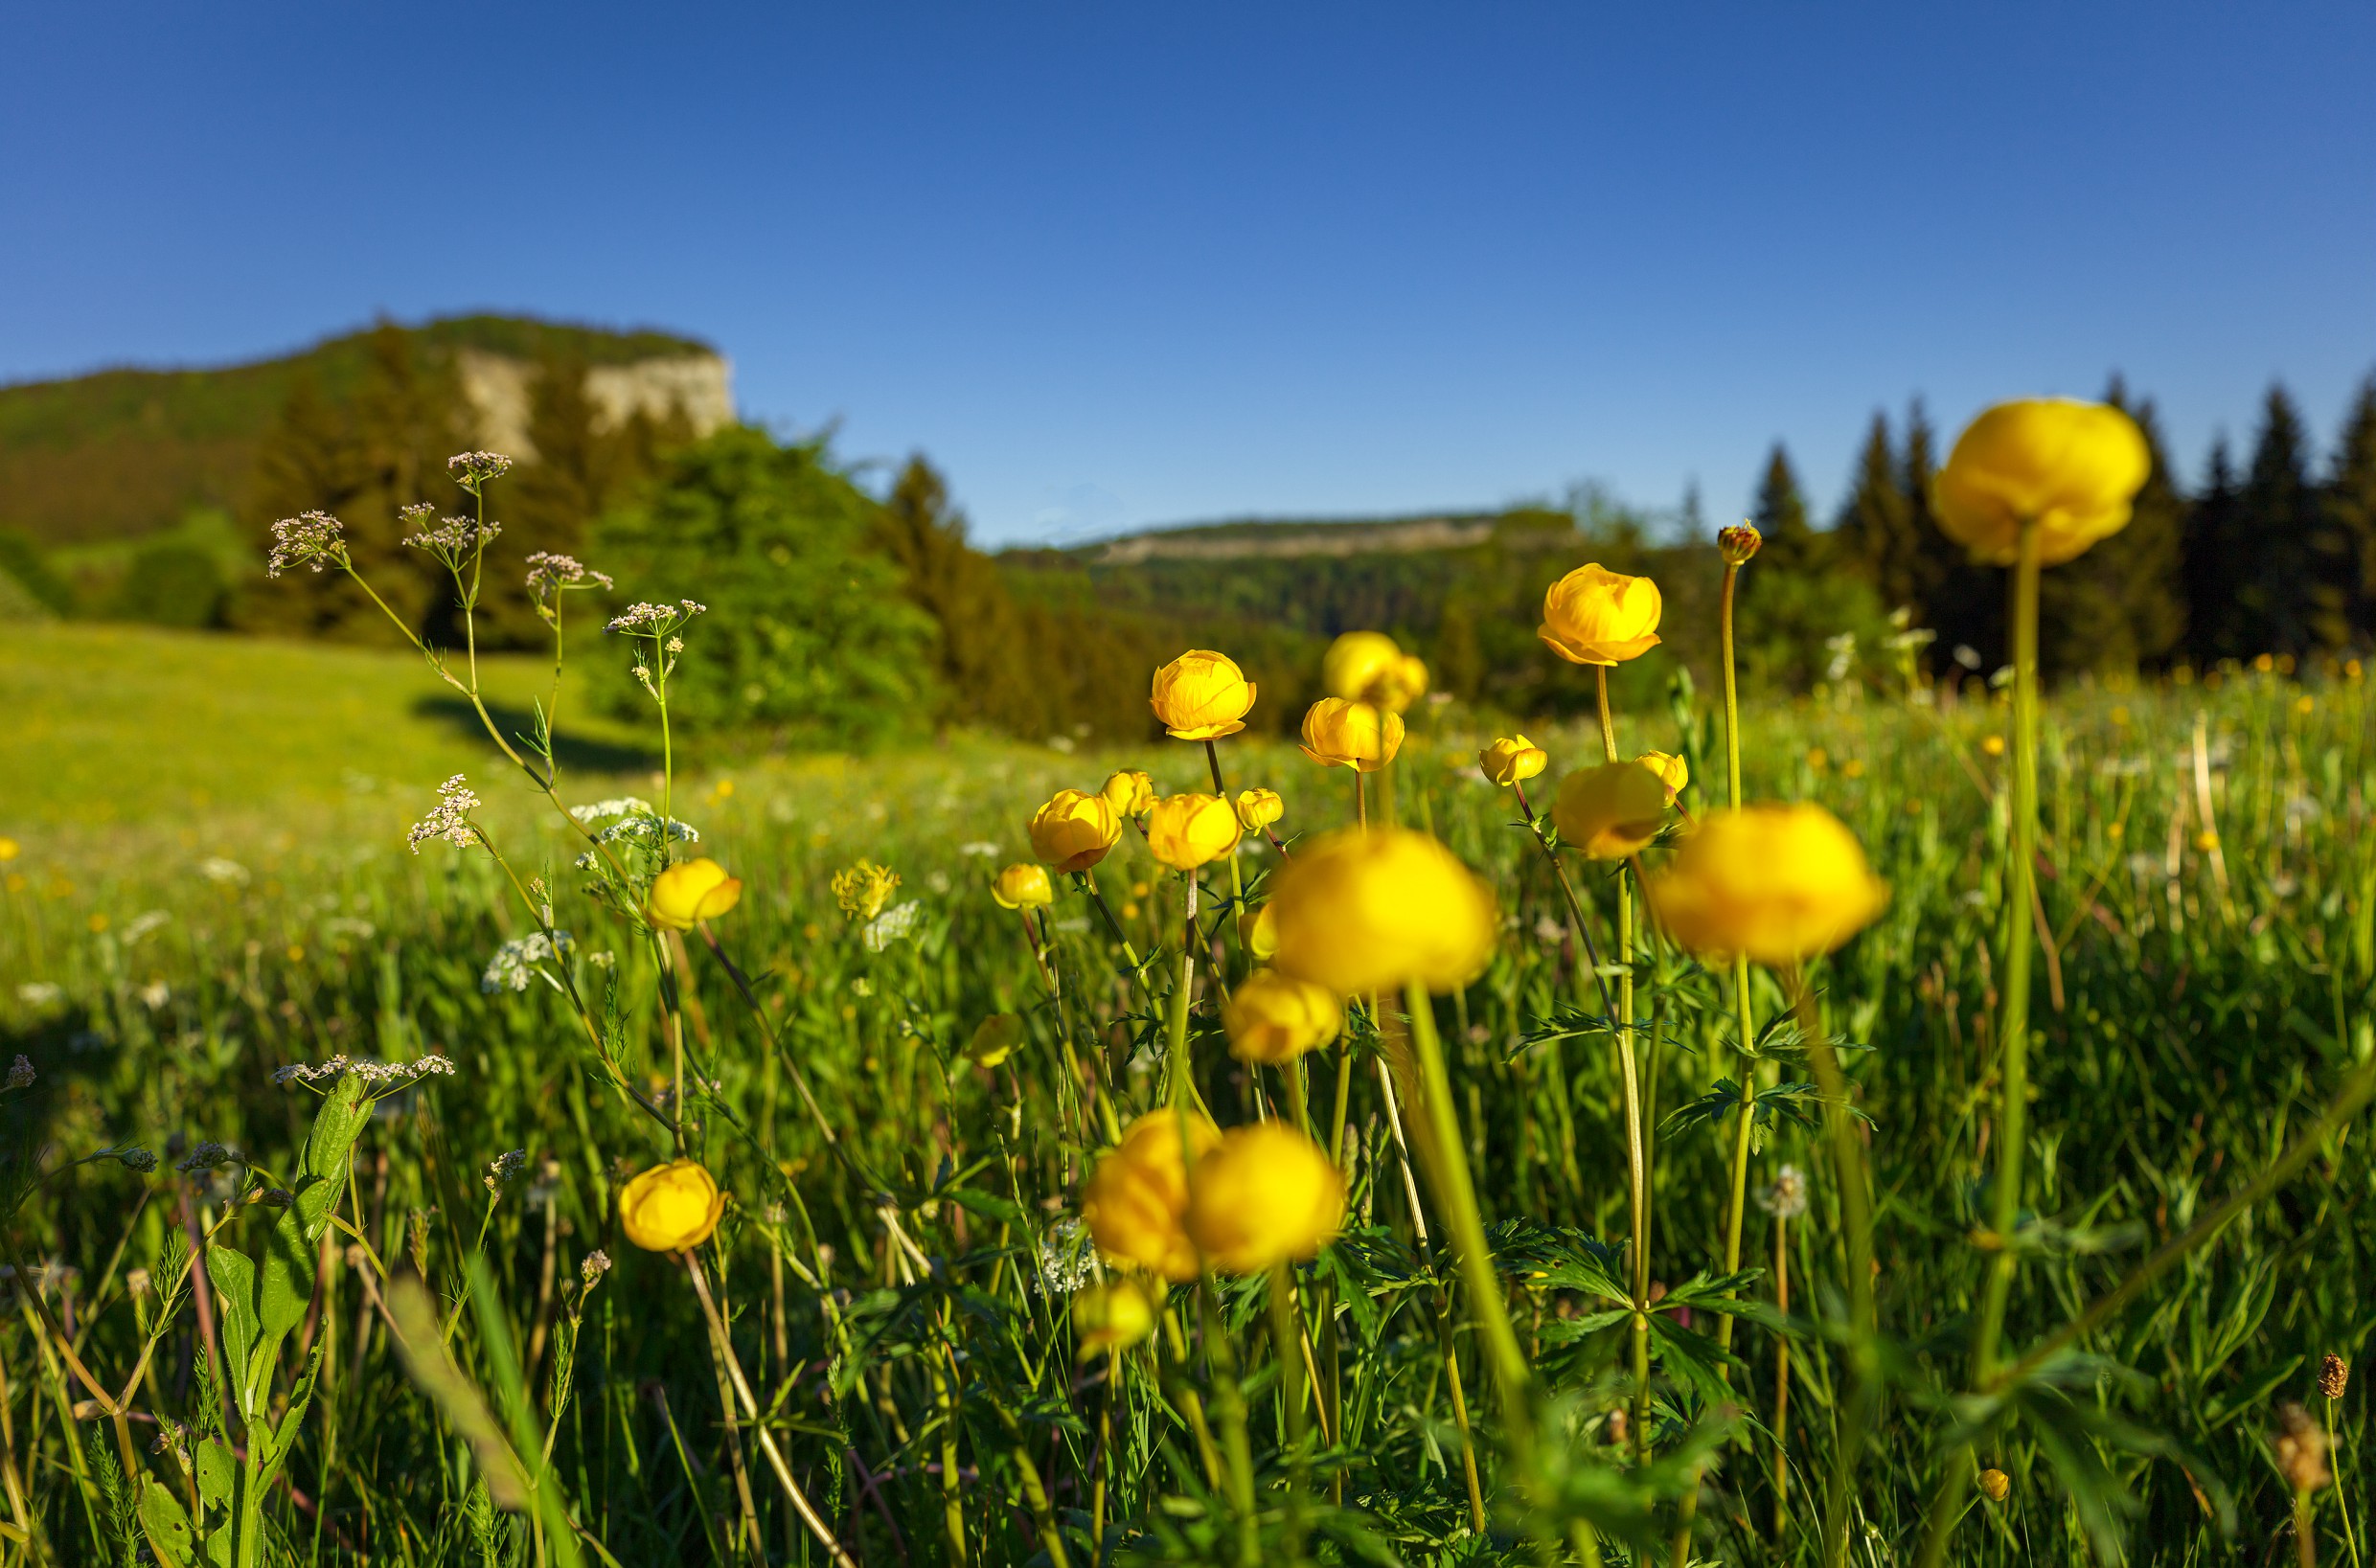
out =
column 207, row 883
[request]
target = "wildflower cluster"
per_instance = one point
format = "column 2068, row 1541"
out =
column 454, row 540
column 376, row 1073
column 522, row 957
column 503, row 1167
column 646, row 619
column 208, row 1156
column 313, row 539
column 471, row 471
column 20, row 1073
column 449, row 818
column 550, row 576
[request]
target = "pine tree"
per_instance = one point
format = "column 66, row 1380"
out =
column 2350, row 509
column 977, row 651
column 1781, row 517
column 1875, row 527
column 2123, row 604
column 2217, row 626
column 2277, row 528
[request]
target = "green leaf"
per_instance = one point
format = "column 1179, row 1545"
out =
column 986, row 1205
column 233, row 1274
column 166, row 1521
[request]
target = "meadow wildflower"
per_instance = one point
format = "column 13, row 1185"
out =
column 1360, row 911
column 1610, row 812
column 1995, row 1485
column 995, row 1039
column 1370, row 667
column 1265, row 1193
column 1130, row 792
column 1360, row 735
column 1786, row 1197
column 1113, row 1317
column 1023, row 885
column 1780, row 883
column 1074, row 832
column 1597, row 616
column 313, row 539
column 1259, row 808
column 20, row 1073
column 670, row 1207
column 1275, row 1019
column 1203, row 695
column 2300, row 1449
column 1737, row 544
column 1671, row 769
column 862, row 890
column 449, row 818
column 2334, row 1372
column 1512, row 759
column 523, row 958
column 473, row 469
column 1135, row 1203
column 208, row 1156
column 1185, row 832
column 693, row 890
column 2071, row 467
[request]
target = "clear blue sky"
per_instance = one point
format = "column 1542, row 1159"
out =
column 1118, row 264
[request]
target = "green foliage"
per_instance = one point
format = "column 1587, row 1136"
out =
column 172, row 585
column 806, row 637
column 24, row 563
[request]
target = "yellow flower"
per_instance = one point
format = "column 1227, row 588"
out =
column 1368, row 912
column 1185, row 832
column 1267, row 1194
column 2073, row 467
column 1992, row 745
column 1113, row 1317
column 1610, row 812
column 1023, row 885
column 1360, row 735
column 1275, row 1018
column 1780, row 883
column 9, row 849
column 1259, row 808
column 685, row 895
column 1259, row 930
column 1136, row 1201
column 1074, row 832
column 1203, row 695
column 995, row 1039
column 1597, row 616
column 1130, row 792
column 1738, row 543
column 1996, row 1485
column 670, row 1207
column 1368, row 666
column 864, row 890
column 1513, row 759
column 1674, row 770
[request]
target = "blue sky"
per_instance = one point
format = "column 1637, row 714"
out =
column 1122, row 265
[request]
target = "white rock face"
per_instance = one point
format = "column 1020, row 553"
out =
column 699, row 386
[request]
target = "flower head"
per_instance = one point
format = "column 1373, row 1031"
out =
column 1787, row 1197
column 1360, row 911
column 2072, row 467
column 1265, row 1193
column 1672, row 770
column 1597, row 616
column 1275, row 1018
column 1130, row 792
column 1360, row 735
column 449, row 818
column 452, row 540
column 1135, row 1203
column 1203, row 695
column 1023, row 885
column 1074, row 832
column 864, row 890
column 1996, row 1485
column 313, row 539
column 548, row 574
column 1369, row 667
column 691, row 892
column 20, row 1073
column 1185, row 832
column 995, row 1039
column 523, row 958
column 1512, row 759
column 1259, row 808
column 2334, row 1372
column 1113, row 1317
column 670, row 1207
column 473, row 469
column 1780, row 883
column 1739, row 542
column 1610, row 812
column 208, row 1156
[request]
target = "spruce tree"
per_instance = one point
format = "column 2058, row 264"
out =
column 1781, row 517
column 2123, row 604
column 1875, row 527
column 2350, row 509
column 2217, row 626
column 983, row 674
column 2277, row 528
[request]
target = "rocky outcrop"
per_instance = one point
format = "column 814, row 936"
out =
column 699, row 386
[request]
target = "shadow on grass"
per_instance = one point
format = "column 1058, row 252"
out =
column 576, row 754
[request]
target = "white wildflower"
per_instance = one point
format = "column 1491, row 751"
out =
column 372, row 1073
column 20, row 1073
column 1787, row 1197
column 897, row 924
column 548, row 574
column 223, row 870
column 314, row 539
column 520, row 957
column 449, row 818
column 141, row 924
column 647, row 830
column 1066, row 1258
column 454, row 539
column 504, row 1167
column 985, row 849
column 472, row 469
column 603, row 810
column 39, row 993
column 593, row 1266
column 155, row 995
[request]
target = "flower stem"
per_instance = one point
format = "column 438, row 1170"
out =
column 1746, row 1042
column 1856, row 1213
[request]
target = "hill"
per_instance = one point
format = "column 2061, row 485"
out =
column 126, row 452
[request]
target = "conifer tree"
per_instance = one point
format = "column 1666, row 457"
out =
column 977, row 649
column 2277, row 528
column 2216, row 621
column 1875, row 527
column 2350, row 507
column 1781, row 517
column 2123, row 604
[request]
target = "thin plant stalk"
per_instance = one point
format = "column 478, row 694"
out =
column 1738, row 1199
column 1853, row 1183
column 1636, row 1170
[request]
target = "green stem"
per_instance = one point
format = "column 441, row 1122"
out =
column 1286, row 1344
column 1849, row 1162
column 1738, row 1199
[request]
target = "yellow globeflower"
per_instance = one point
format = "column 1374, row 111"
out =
column 1259, row 808
column 2072, row 467
column 1512, row 759
column 1260, row 930
column 1737, row 544
column 1673, row 769
column 1597, row 616
column 1275, row 1018
column 685, row 895
column 1185, row 832
column 995, row 1039
column 1360, row 735
column 1136, row 1201
column 1113, row 1317
column 1368, row 666
column 1074, row 832
column 1360, row 911
column 670, row 1207
column 1203, row 695
column 1610, row 812
column 1130, row 792
column 1781, row 883
column 1267, row 1194
column 1023, row 885
column 9, row 849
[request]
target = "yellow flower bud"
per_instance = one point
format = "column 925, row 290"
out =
column 2073, row 467
column 1781, row 883
column 1260, row 930
column 1130, row 792
column 691, row 892
column 1074, row 832
column 1673, row 769
column 1360, row 735
column 1275, row 1018
column 1259, row 808
column 1113, row 1317
column 1512, row 759
column 670, row 1207
column 1203, row 695
column 1995, row 1485
column 1267, row 1194
column 1023, row 885
column 1610, row 812
column 1185, row 832
column 995, row 1039
column 1360, row 911
column 1135, row 1203
column 1367, row 666
column 1597, row 616
column 1738, row 543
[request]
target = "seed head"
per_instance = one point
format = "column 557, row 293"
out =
column 1738, row 543
column 1787, row 1197
column 2334, row 1372
column 20, row 1073
column 2301, row 1449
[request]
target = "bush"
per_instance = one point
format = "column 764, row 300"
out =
column 173, row 585
column 22, row 560
column 808, row 635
